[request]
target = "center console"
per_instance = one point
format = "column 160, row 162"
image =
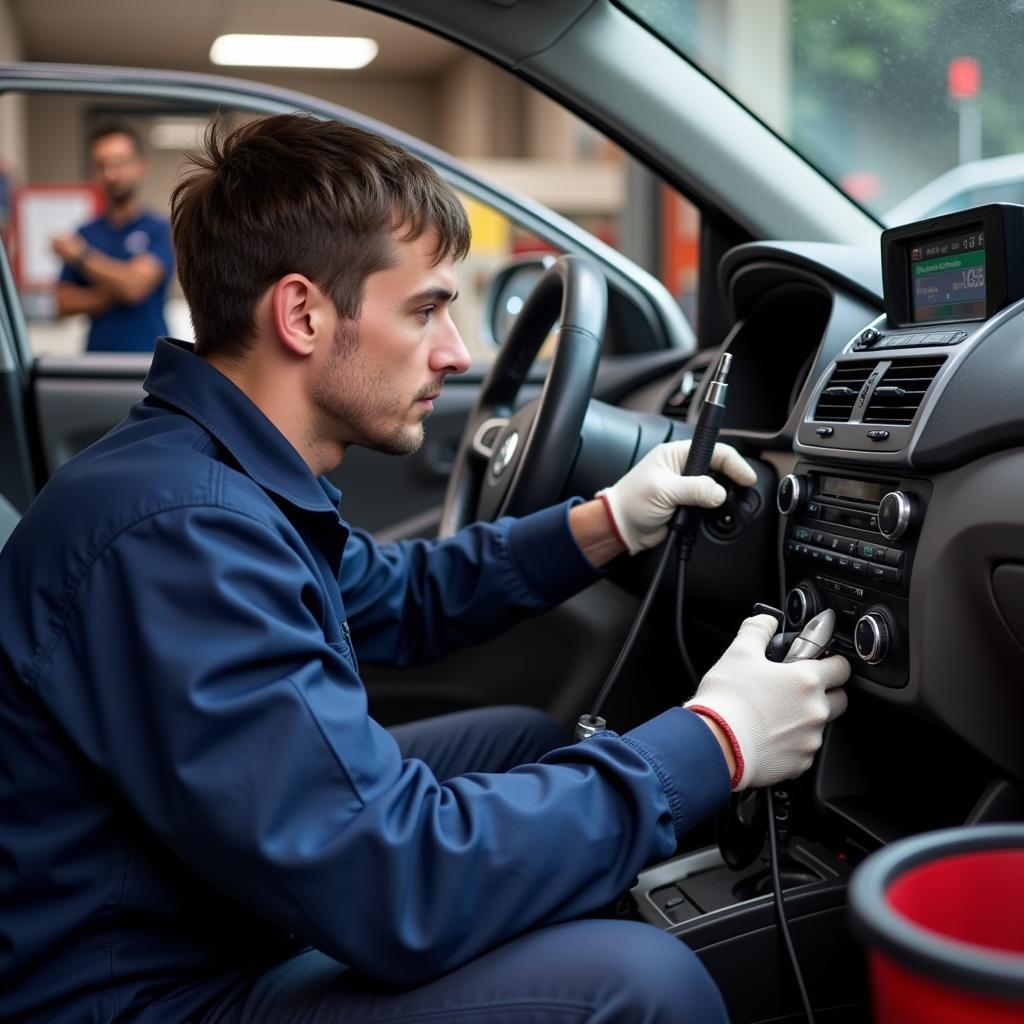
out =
column 849, row 545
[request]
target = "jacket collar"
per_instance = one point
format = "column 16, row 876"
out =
column 182, row 379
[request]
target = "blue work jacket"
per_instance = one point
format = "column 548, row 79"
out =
column 191, row 788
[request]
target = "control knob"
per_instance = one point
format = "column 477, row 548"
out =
column 791, row 493
column 871, row 638
column 897, row 513
column 868, row 337
column 802, row 605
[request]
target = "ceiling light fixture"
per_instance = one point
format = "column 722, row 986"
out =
column 177, row 133
column 271, row 51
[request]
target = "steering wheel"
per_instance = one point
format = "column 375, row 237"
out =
column 512, row 462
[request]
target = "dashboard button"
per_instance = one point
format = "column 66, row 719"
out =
column 860, row 568
column 801, row 533
column 894, row 557
column 824, row 431
column 879, row 555
column 813, row 509
column 866, row 550
column 878, row 435
column 849, row 547
column 885, row 573
column 818, row 537
column 844, row 563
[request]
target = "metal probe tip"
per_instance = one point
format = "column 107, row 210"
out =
column 718, row 387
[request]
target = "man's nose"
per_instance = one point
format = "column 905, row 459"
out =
column 451, row 356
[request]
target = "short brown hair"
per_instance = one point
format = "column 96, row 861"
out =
column 294, row 194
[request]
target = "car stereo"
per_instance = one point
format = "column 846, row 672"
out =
column 848, row 544
column 961, row 267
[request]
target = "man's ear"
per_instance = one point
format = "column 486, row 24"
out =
column 301, row 313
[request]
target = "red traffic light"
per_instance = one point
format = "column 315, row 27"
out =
column 964, row 81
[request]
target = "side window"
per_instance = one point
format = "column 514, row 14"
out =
column 57, row 190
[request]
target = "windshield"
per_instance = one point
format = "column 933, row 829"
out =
column 913, row 109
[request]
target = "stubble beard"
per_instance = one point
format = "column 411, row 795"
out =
column 122, row 196
column 350, row 402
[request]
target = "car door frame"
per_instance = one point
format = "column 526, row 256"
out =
column 24, row 466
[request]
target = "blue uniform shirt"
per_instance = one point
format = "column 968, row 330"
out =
column 191, row 788
column 127, row 328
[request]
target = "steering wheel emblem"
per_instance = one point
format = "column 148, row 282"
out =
column 505, row 453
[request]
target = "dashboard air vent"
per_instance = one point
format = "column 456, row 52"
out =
column 901, row 390
column 679, row 402
column 835, row 403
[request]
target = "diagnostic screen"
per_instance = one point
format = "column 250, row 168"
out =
column 947, row 278
column 861, row 490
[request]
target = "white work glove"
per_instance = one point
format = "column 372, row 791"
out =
column 643, row 501
column 776, row 713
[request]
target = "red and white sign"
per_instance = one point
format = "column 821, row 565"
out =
column 39, row 213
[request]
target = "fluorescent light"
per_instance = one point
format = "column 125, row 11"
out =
column 176, row 134
column 269, row 51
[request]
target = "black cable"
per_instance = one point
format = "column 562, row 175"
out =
column 638, row 621
column 680, row 632
column 780, row 907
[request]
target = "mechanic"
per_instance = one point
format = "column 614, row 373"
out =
column 200, row 820
column 117, row 267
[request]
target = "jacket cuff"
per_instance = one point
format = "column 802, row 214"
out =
column 547, row 556
column 689, row 762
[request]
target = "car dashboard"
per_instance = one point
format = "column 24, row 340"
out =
column 896, row 453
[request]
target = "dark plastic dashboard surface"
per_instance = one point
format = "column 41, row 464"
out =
column 964, row 649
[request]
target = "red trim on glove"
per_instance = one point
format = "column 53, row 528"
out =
column 733, row 742
column 611, row 519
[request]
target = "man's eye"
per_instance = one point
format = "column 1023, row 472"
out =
column 426, row 313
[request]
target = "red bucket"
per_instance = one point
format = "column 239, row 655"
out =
column 943, row 916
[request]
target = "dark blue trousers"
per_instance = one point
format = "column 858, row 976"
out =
column 598, row 971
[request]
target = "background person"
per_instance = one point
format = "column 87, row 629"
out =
column 190, row 782
column 117, row 267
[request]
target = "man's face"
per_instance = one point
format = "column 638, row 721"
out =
column 377, row 383
column 117, row 167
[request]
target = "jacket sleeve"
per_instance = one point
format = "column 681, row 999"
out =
column 412, row 601
column 190, row 667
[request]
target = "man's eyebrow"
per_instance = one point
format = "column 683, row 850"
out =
column 433, row 295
